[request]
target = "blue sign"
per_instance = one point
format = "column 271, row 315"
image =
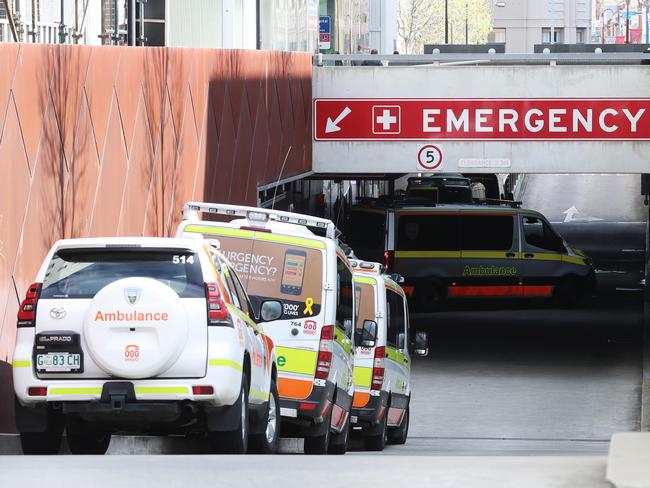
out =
column 325, row 24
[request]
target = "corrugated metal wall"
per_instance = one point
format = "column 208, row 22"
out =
column 105, row 141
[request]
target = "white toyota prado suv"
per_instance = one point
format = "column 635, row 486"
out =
column 146, row 335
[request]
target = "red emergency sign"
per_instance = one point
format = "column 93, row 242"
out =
column 570, row 119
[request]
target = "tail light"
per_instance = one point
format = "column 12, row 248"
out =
column 27, row 310
column 325, row 352
column 217, row 311
column 388, row 260
column 378, row 368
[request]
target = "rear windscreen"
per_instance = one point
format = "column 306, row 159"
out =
column 366, row 230
column 81, row 273
column 364, row 303
column 281, row 271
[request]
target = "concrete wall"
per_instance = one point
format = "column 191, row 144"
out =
column 105, row 141
column 484, row 83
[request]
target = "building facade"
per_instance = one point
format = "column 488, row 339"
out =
column 278, row 25
column 521, row 24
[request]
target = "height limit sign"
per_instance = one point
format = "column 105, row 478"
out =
column 429, row 158
column 324, row 32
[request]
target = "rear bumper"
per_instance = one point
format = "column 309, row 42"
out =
column 310, row 410
column 372, row 412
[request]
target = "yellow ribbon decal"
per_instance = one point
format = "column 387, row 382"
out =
column 308, row 303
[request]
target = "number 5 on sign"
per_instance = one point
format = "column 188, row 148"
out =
column 429, row 158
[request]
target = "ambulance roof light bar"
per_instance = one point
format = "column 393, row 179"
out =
column 259, row 215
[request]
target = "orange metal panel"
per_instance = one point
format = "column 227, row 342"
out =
column 109, row 140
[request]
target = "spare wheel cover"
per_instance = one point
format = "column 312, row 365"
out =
column 135, row 328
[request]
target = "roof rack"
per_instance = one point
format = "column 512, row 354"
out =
column 262, row 215
column 496, row 201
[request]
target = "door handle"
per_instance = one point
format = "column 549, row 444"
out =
column 510, row 254
column 529, row 255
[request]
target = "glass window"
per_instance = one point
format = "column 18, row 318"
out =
column 487, row 232
column 396, row 319
column 81, row 273
column 366, row 229
column 344, row 297
column 241, row 294
column 277, row 271
column 429, row 232
column 364, row 303
column 539, row 234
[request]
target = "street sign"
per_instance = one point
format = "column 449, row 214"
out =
column 504, row 119
column 324, row 32
column 429, row 158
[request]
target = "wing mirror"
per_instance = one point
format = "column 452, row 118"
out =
column 420, row 345
column 270, row 310
column 397, row 278
column 366, row 336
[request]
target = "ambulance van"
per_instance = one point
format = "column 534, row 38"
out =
column 460, row 251
column 382, row 363
column 296, row 260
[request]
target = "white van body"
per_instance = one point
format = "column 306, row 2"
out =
column 380, row 408
column 278, row 257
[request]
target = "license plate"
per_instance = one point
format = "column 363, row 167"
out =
column 58, row 362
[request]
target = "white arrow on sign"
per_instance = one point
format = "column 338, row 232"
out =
column 332, row 126
column 571, row 212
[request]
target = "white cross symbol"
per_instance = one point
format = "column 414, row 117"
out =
column 386, row 119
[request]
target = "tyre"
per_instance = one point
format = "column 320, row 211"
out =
column 86, row 439
column 375, row 438
column 567, row 293
column 267, row 442
column 429, row 298
column 47, row 442
column 399, row 434
column 234, row 441
column 339, row 442
column 319, row 444
column 40, row 442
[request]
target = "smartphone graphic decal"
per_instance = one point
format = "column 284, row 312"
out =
column 293, row 272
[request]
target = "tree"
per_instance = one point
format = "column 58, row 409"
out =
column 422, row 22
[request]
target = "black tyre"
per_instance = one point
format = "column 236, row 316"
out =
column 234, row 441
column 40, row 442
column 429, row 298
column 94, row 443
column 48, row 442
column 319, row 444
column 267, row 442
column 339, row 442
column 85, row 438
column 399, row 434
column 374, row 439
column 567, row 292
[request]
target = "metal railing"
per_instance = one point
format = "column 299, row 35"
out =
column 450, row 59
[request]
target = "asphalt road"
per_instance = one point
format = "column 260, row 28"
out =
column 530, row 378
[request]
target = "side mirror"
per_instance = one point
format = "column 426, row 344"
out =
column 270, row 310
column 401, row 340
column 421, row 344
column 367, row 336
column 397, row 278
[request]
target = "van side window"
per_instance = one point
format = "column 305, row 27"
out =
column 539, row 234
column 344, row 298
column 487, row 232
column 241, row 294
column 428, row 232
column 396, row 319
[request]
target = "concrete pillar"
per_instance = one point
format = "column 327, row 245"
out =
column 645, row 386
